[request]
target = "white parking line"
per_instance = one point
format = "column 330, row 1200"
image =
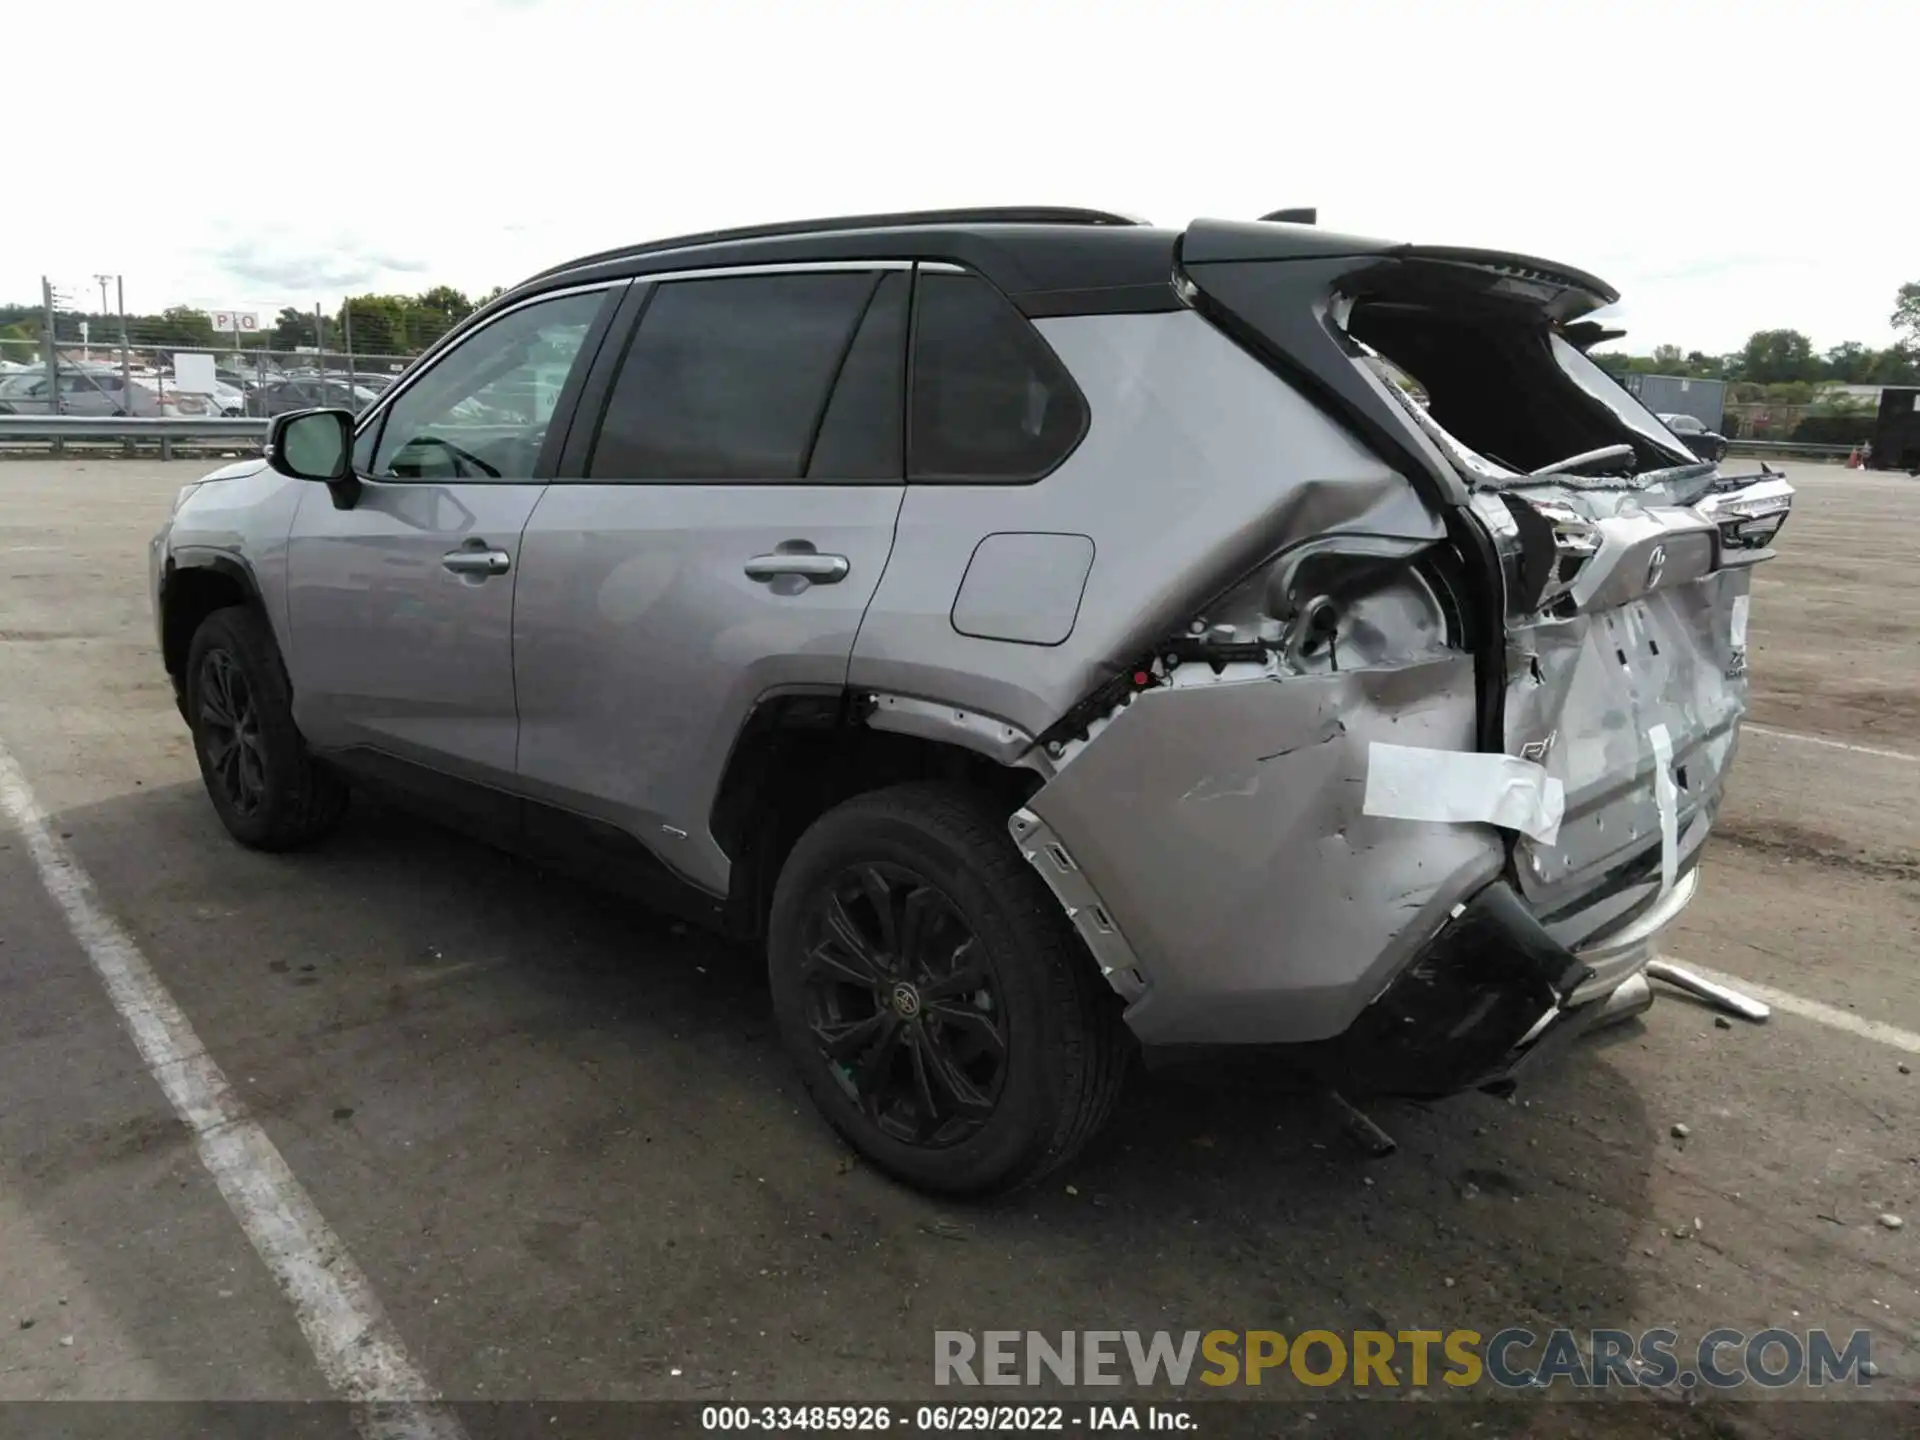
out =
column 1844, row 1020
column 1797, row 737
column 358, row 1350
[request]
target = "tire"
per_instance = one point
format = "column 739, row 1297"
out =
column 268, row 791
column 942, row 858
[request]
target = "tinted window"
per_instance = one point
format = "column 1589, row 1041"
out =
column 862, row 435
column 990, row 400
column 728, row 379
column 482, row 409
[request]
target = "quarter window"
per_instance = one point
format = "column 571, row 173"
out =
column 483, row 410
column 991, row 401
column 728, row 379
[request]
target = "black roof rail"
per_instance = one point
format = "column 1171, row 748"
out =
column 979, row 215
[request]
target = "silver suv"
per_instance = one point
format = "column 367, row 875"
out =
column 1045, row 634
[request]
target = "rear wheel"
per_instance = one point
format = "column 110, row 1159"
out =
column 939, row 1007
column 268, row 791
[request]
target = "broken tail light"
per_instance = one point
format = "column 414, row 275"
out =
column 1338, row 602
column 1750, row 516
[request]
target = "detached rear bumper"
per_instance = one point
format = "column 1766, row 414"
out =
column 1491, row 993
column 1212, row 847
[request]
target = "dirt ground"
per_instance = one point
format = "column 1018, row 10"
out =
column 558, row 1136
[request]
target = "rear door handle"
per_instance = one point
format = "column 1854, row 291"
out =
column 809, row 565
column 477, row 561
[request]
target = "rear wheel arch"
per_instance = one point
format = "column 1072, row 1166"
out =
column 798, row 756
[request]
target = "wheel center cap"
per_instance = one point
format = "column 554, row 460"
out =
column 906, row 1001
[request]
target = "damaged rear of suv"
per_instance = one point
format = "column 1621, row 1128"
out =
column 1047, row 634
column 1416, row 791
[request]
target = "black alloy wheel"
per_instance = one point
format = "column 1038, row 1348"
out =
column 933, row 995
column 268, row 790
column 904, row 1005
column 230, row 725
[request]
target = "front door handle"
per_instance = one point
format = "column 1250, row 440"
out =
column 477, row 561
column 807, row 564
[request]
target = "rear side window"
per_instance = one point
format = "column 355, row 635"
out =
column 863, row 434
column 729, row 379
column 991, row 401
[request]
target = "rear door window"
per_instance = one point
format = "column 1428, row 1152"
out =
column 729, row 380
column 991, row 402
column 863, row 433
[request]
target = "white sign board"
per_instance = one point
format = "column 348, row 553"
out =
column 193, row 373
column 236, row 322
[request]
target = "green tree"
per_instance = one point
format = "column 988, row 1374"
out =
column 1906, row 313
column 1776, row 356
column 435, row 312
column 292, row 329
column 1849, row 362
column 179, row 325
column 377, row 324
column 1896, row 365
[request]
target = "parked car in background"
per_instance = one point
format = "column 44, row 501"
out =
column 88, row 391
column 1707, row 444
column 1036, row 630
column 277, row 397
column 227, row 399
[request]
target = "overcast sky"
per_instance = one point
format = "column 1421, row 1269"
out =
column 1728, row 166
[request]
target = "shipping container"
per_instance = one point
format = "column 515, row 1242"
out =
column 1705, row 400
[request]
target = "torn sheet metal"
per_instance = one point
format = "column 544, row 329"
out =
column 1585, row 696
column 1407, row 782
column 1222, row 824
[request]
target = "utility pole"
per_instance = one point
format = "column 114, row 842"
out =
column 126, row 352
column 103, row 293
column 53, row 348
column 346, row 341
column 53, row 358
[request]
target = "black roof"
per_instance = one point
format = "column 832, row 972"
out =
column 1051, row 260
column 1054, row 260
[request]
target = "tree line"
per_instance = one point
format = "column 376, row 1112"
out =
column 1773, row 364
column 400, row 325
column 1782, row 364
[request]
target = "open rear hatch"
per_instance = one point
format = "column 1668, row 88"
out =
column 1612, row 637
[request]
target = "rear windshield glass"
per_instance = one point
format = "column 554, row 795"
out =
column 1509, row 390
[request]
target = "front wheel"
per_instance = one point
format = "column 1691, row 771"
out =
column 268, row 791
column 940, row 1009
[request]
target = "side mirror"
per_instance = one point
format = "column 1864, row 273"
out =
column 316, row 445
column 312, row 444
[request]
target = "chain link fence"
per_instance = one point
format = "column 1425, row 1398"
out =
column 258, row 359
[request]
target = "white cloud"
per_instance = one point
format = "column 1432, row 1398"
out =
column 1720, row 161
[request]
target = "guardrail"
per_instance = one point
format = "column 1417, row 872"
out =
column 242, row 432
column 1790, row 448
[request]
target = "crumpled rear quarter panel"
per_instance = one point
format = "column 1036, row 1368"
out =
column 1221, row 824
